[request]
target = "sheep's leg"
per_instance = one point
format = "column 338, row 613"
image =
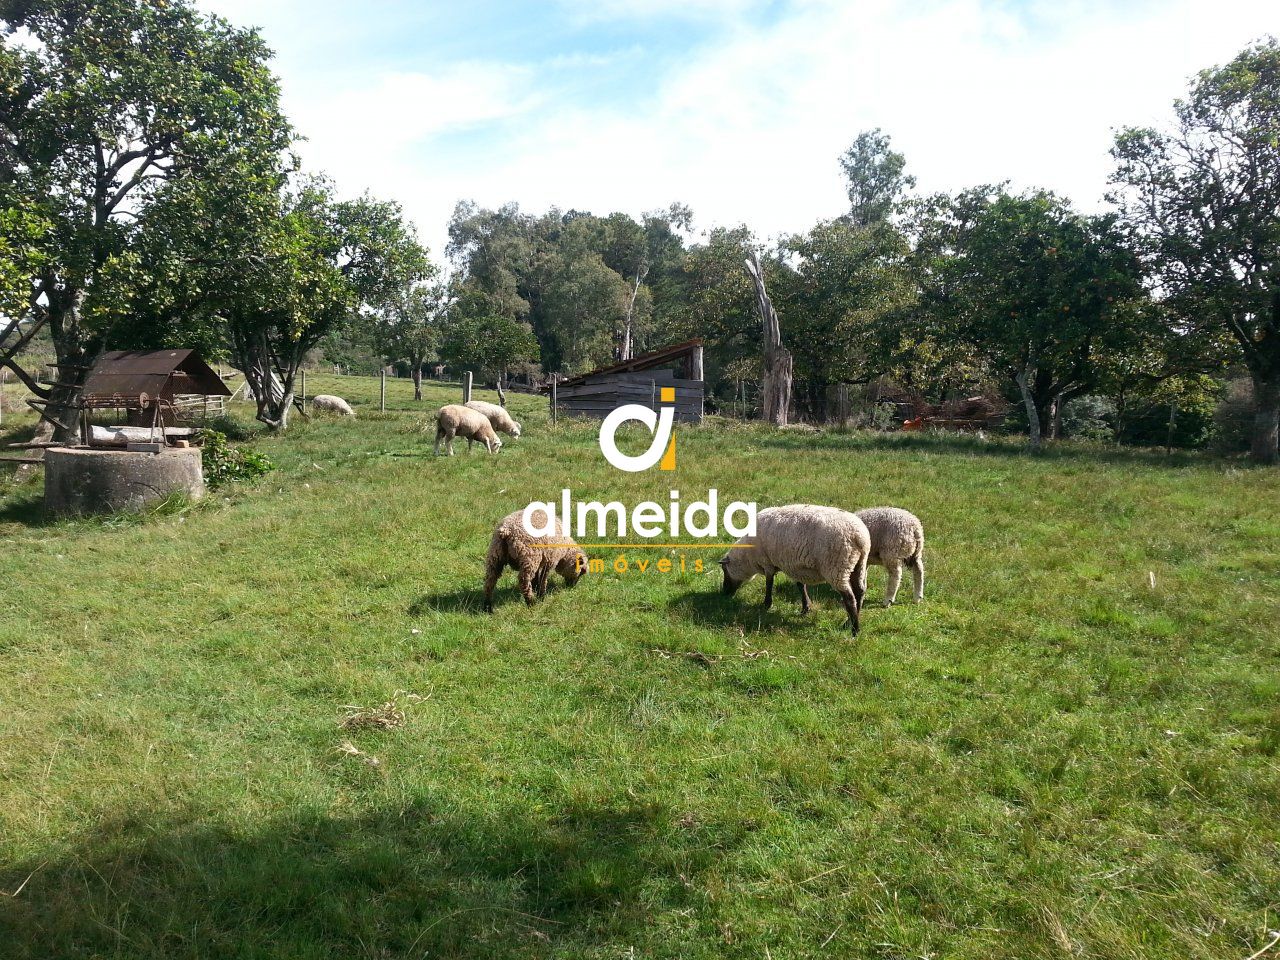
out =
column 895, row 579
column 448, row 437
column 851, row 606
column 540, row 584
column 916, row 564
column 858, row 582
column 768, row 590
column 804, row 599
column 439, row 434
column 492, row 571
column 528, row 575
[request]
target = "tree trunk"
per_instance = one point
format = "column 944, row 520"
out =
column 417, row 379
column 775, row 390
column 1266, row 419
column 64, row 327
column 1024, row 378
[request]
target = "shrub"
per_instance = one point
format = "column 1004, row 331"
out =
column 224, row 463
column 1089, row 418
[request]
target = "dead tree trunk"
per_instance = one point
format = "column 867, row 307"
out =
column 775, row 390
column 1024, row 378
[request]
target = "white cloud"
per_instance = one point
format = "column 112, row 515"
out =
column 749, row 129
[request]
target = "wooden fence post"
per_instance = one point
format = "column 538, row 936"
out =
column 382, row 397
column 466, row 387
column 842, row 405
column 553, row 401
column 303, row 373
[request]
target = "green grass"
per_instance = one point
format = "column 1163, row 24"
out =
column 1046, row 758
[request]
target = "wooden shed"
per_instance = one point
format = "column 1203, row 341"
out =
column 639, row 380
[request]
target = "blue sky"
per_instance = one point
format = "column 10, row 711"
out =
column 738, row 108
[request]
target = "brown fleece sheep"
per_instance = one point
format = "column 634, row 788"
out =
column 456, row 420
column 810, row 544
column 513, row 546
column 897, row 537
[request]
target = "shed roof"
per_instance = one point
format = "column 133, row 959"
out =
column 646, row 361
column 157, row 373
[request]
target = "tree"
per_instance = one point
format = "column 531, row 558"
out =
column 327, row 261
column 477, row 337
column 876, row 178
column 1203, row 199
column 775, row 384
column 843, row 301
column 410, row 327
column 1037, row 292
column 109, row 102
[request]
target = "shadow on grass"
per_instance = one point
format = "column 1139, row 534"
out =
column 471, row 599
column 998, row 446
column 26, row 510
column 415, row 881
column 747, row 612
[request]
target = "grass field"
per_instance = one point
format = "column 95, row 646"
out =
column 1049, row 757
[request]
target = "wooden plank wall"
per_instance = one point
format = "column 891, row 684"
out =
column 599, row 396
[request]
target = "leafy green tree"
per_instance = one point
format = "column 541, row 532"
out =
column 841, row 303
column 1035, row 291
column 107, row 103
column 1203, row 199
column 877, row 178
column 479, row 338
column 410, row 327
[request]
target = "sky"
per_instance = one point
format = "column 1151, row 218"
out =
column 738, row 108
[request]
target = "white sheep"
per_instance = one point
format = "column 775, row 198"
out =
column 897, row 537
column 457, row 420
column 532, row 557
column 328, row 403
column 498, row 416
column 810, row 544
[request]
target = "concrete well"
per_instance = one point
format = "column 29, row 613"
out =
column 79, row 480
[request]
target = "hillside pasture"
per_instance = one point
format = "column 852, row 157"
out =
column 1069, row 749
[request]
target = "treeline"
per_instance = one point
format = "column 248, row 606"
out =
column 1152, row 305
column 149, row 196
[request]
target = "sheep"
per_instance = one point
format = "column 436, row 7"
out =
column 327, row 403
column 498, row 416
column 897, row 536
column 456, row 420
column 513, row 546
column 810, row 544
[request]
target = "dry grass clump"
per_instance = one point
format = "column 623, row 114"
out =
column 387, row 716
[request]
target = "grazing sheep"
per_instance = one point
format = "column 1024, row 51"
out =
column 456, row 420
column 512, row 546
column 810, row 544
column 327, row 403
column 498, row 416
column 897, row 537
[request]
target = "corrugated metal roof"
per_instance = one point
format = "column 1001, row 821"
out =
column 646, row 361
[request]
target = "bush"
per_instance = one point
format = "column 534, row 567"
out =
column 233, row 428
column 1089, row 418
column 225, row 464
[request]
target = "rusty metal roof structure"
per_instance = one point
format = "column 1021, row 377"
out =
column 646, row 361
column 151, row 373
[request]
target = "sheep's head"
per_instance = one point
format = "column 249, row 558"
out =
column 515, row 429
column 573, row 567
column 495, row 444
column 736, row 572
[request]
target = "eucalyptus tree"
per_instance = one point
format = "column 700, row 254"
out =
column 1203, row 198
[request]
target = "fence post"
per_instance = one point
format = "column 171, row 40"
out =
column 382, row 396
column 553, row 400
column 842, row 404
column 1173, row 422
column 466, row 387
column 303, row 373
column 4, row 375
